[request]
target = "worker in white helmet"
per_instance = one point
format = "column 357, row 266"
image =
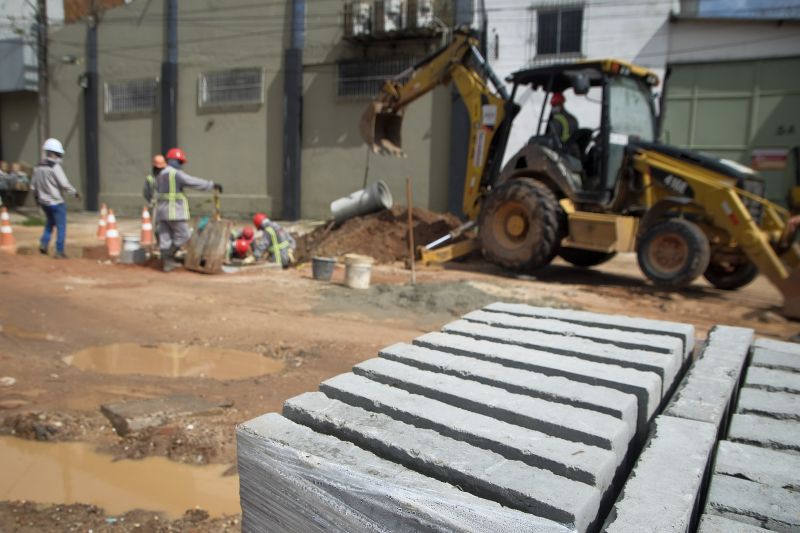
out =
column 49, row 184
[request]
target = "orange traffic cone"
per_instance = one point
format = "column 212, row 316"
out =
column 113, row 240
column 102, row 223
column 7, row 242
column 147, row 229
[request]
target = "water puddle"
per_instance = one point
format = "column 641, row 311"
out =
column 173, row 360
column 72, row 472
column 26, row 335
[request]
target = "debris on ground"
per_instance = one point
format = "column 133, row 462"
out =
column 382, row 235
column 135, row 415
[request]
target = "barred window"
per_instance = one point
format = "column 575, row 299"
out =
column 559, row 31
column 364, row 78
column 241, row 86
column 131, row 97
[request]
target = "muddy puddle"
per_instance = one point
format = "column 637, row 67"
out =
column 72, row 472
column 174, row 361
column 15, row 332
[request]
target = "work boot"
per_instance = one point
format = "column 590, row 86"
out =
column 60, row 255
column 168, row 264
column 43, row 249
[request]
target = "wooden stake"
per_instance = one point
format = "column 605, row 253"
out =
column 411, row 231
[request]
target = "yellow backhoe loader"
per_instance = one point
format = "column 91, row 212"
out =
column 602, row 190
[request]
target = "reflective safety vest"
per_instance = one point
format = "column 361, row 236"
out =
column 173, row 197
column 276, row 248
column 565, row 133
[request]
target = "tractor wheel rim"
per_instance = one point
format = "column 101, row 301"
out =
column 668, row 253
column 510, row 225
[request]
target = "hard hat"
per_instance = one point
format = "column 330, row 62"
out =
column 557, row 99
column 247, row 233
column 177, row 154
column 159, row 161
column 53, row 145
column 259, row 219
column 241, row 246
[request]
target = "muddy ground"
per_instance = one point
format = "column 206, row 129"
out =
column 51, row 309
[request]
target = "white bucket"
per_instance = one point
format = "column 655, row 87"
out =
column 356, row 275
column 131, row 243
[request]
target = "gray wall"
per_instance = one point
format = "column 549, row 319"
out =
column 18, row 127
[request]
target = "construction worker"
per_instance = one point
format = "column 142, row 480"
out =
column 561, row 123
column 150, row 187
column 172, row 207
column 49, row 184
column 275, row 243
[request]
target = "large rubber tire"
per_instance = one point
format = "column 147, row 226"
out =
column 673, row 253
column 729, row 275
column 584, row 258
column 519, row 225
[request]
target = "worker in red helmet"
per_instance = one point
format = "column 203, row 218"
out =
column 561, row 123
column 274, row 243
column 172, row 207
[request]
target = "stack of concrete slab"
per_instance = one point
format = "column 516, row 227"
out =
column 756, row 478
column 513, row 418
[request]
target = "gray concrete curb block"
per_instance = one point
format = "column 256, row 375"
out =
column 762, row 465
column 753, row 503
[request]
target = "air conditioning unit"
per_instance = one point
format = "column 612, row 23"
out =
column 357, row 18
column 389, row 15
column 419, row 14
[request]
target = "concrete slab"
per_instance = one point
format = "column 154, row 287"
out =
column 775, row 360
column 772, row 380
column 662, row 490
column 666, row 366
column 684, row 332
column 576, row 461
column 761, row 465
column 559, row 420
column 710, row 523
column 769, row 507
column 778, row 405
column 783, row 435
column 482, row 472
column 553, row 388
column 296, row 480
column 135, row 415
column 631, row 340
column 778, row 346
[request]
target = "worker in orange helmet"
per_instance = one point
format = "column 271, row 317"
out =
column 274, row 243
column 561, row 123
column 172, row 206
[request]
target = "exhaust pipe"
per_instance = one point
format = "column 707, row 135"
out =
column 381, row 128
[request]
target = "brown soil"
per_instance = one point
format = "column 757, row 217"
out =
column 382, row 235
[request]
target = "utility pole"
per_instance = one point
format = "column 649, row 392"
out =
column 292, row 111
column 41, row 48
column 169, row 79
column 90, row 112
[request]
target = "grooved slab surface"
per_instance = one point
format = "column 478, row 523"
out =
column 684, row 332
column 765, row 506
column 772, row 380
column 296, row 480
column 559, row 420
column 488, row 474
column 666, row 366
column 710, row 523
column 779, row 405
column 767, row 432
column 664, row 486
column 775, row 360
column 646, row 386
column 779, row 346
column 762, row 465
column 580, row 462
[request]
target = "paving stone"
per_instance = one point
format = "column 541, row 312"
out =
column 710, row 523
column 624, row 339
column 666, row 366
column 781, row 435
column 706, row 392
column 761, row 465
column 296, row 480
column 779, row 405
column 553, row 388
column 775, row 360
column 135, row 415
column 559, row 420
column 482, row 472
column 684, row 332
column 779, row 346
column 646, row 386
column 772, row 380
column 580, row 462
column 765, row 506
column 666, row 481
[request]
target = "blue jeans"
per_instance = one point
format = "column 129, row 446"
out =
column 56, row 216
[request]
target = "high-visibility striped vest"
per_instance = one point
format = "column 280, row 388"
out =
column 565, row 133
column 173, row 197
column 276, row 247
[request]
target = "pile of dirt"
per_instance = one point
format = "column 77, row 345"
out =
column 382, row 235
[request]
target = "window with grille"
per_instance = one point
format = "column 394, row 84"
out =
column 241, row 86
column 559, row 31
column 131, row 97
column 363, row 79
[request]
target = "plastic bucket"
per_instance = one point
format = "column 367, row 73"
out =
column 356, row 275
column 374, row 198
column 131, row 243
column 322, row 267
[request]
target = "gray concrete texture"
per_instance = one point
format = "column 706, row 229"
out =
column 135, row 415
column 779, row 405
column 717, row 524
column 781, row 435
column 778, row 346
column 773, row 508
column 773, row 380
column 775, row 360
column 762, row 465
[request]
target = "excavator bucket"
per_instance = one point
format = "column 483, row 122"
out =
column 791, row 295
column 381, row 129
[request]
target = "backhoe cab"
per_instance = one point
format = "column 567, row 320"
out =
column 608, row 187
